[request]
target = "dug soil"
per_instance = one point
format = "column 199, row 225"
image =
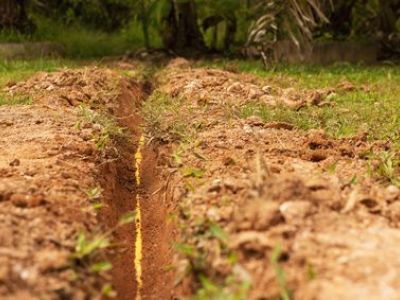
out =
column 67, row 172
column 231, row 207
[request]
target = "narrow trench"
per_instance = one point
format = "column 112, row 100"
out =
column 133, row 183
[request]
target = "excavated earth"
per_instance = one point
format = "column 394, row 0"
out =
column 65, row 173
column 267, row 211
column 231, row 208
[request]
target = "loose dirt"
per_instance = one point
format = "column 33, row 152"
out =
column 230, row 208
column 268, row 211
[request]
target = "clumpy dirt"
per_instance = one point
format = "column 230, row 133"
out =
column 92, row 86
column 257, row 200
column 214, row 86
column 231, row 208
column 45, row 168
column 56, row 183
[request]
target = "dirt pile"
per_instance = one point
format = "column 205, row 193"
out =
column 46, row 169
column 267, row 211
column 92, row 86
column 66, row 178
column 217, row 87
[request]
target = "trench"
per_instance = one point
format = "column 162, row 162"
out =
column 134, row 183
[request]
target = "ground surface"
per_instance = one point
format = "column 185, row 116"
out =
column 252, row 185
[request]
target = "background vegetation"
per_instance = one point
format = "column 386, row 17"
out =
column 104, row 27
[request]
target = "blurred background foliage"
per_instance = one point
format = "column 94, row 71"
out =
column 107, row 27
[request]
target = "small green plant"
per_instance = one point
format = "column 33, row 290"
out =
column 85, row 246
column 231, row 289
column 192, row 172
column 15, row 100
column 280, row 273
column 217, row 232
column 108, row 291
column 101, row 267
column 88, row 249
column 385, row 166
column 109, row 129
column 311, row 273
column 94, row 193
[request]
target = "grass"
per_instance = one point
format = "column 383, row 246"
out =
column 16, row 70
column 385, row 166
column 165, row 120
column 373, row 106
column 82, row 42
column 109, row 129
column 18, row 100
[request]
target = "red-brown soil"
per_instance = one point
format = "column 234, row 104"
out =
column 45, row 167
column 49, row 163
column 219, row 198
column 244, row 188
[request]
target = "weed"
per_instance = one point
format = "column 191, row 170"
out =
column 85, row 247
column 94, row 193
column 101, row 267
column 88, row 250
column 280, row 273
column 229, row 290
column 385, row 166
column 217, row 232
column 15, row 100
column 109, row 128
column 127, row 218
column 108, row 291
column 311, row 273
column 192, row 172
column 16, row 70
column 97, row 205
column 165, row 120
column 331, row 169
column 373, row 101
column 186, row 249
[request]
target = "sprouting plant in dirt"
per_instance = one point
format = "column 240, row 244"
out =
column 108, row 128
column 192, row 172
column 88, row 248
column 108, row 291
column 280, row 273
column 94, row 195
column 230, row 289
column 311, row 273
column 15, row 100
column 385, row 166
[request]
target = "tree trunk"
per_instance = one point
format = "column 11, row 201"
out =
column 13, row 16
column 181, row 32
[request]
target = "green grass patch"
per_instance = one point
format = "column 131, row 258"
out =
column 16, row 70
column 20, row 100
column 372, row 106
column 82, row 42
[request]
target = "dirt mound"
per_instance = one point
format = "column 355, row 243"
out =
column 213, row 86
column 260, row 191
column 46, row 170
column 267, row 211
column 93, row 87
column 66, row 179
